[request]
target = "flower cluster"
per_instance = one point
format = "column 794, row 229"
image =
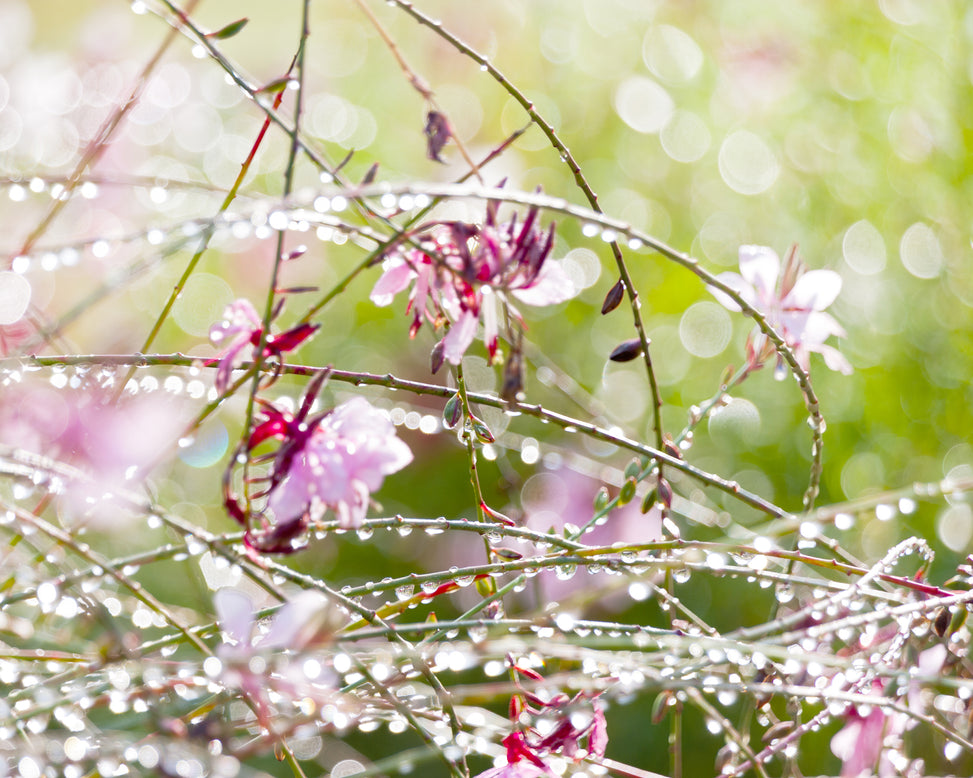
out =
column 242, row 327
column 573, row 727
column 460, row 273
column 792, row 299
column 333, row 460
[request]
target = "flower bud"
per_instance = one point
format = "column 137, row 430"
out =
column 627, row 351
column 614, row 297
column 452, row 412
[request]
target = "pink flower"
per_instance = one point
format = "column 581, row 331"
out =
column 462, row 273
column 859, row 744
column 240, row 327
column 261, row 665
column 574, row 727
column 333, row 460
column 793, row 302
column 516, row 770
column 346, row 458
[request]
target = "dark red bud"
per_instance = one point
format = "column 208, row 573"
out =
column 665, row 492
column 627, row 351
column 452, row 412
column 614, row 297
column 437, row 357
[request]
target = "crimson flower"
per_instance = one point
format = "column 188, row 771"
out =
column 240, row 327
column 792, row 299
column 461, row 273
column 574, row 727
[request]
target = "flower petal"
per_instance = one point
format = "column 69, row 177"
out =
column 815, row 290
column 760, row 266
column 234, row 611
column 395, row 279
column 551, row 286
column 459, row 337
column 738, row 284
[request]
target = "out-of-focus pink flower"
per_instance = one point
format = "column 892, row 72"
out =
column 793, row 299
column 859, row 744
column 113, row 442
column 333, row 460
column 261, row 664
column 462, row 273
column 516, row 770
column 240, row 327
column 864, row 743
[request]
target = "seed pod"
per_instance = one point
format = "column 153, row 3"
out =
column 614, row 297
column 632, row 469
column 627, row 351
column 941, row 621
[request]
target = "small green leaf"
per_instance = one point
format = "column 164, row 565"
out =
column 230, row 30
column 275, row 86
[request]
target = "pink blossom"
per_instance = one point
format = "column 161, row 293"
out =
column 332, row 460
column 463, row 274
column 573, row 727
column 240, row 327
column 793, row 301
column 516, row 770
column 294, row 629
column 859, row 744
column 346, row 458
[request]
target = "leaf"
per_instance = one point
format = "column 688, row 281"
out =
column 229, row 30
column 276, row 86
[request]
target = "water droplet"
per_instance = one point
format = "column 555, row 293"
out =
column 565, row 572
column 404, row 592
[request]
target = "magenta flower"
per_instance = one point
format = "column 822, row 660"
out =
column 793, row 301
column 333, row 460
column 574, row 727
column 462, row 273
column 340, row 463
column 240, row 327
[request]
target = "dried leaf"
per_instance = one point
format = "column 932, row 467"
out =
column 437, row 132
